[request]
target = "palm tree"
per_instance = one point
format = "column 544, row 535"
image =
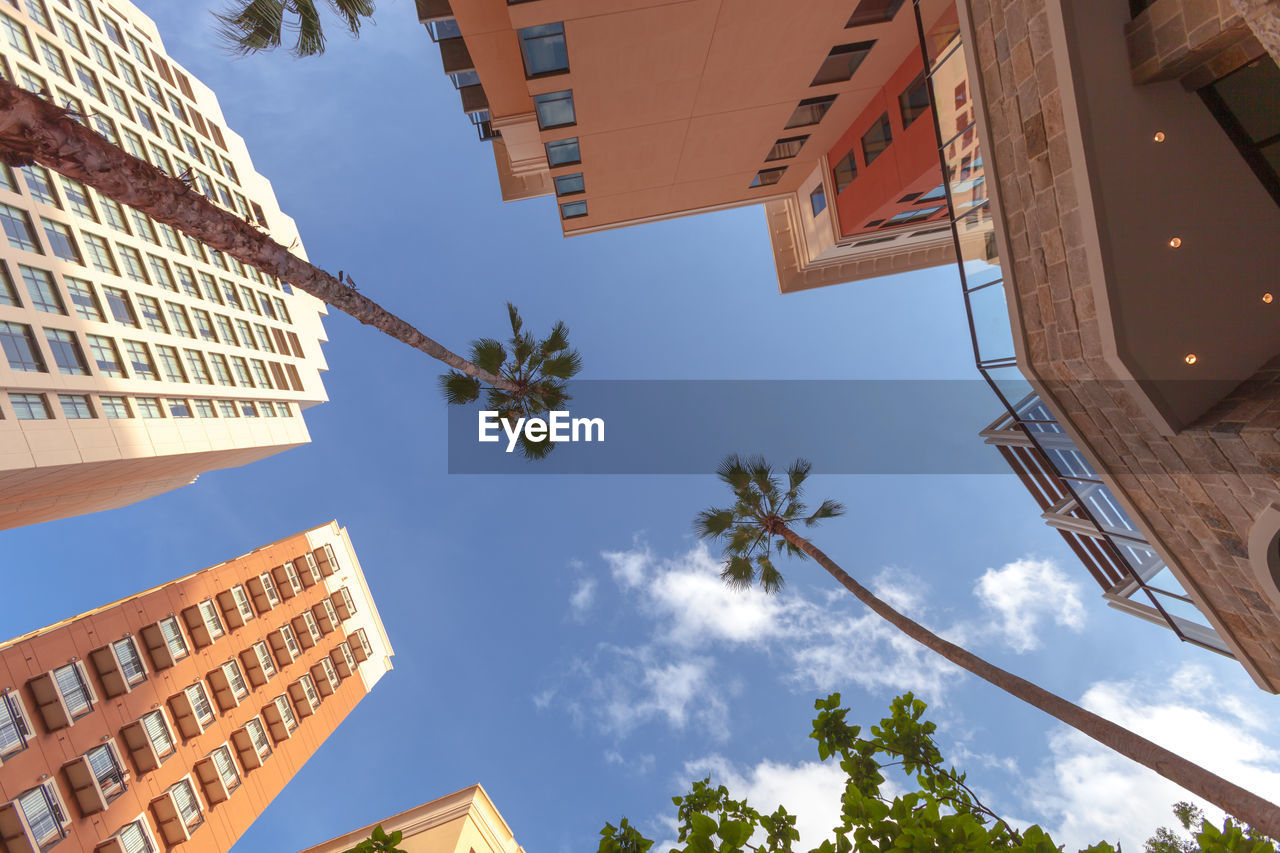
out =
column 761, row 521
column 33, row 130
column 251, row 26
column 539, row 368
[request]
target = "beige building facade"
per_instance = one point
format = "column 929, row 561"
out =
column 135, row 358
column 465, row 821
column 169, row 720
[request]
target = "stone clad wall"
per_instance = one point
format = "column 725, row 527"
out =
column 1198, row 492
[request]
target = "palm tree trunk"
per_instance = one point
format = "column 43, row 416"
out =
column 33, row 130
column 1246, row 806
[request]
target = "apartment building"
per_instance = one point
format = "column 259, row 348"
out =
column 135, row 357
column 1105, row 176
column 172, row 718
column 465, row 821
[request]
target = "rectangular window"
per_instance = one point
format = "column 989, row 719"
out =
column 106, row 356
column 20, row 348
column 8, row 293
column 204, row 409
column 84, row 299
column 197, row 368
column 563, row 152
column 115, row 407
column 258, row 734
column 767, row 177
column 204, row 325
column 100, row 257
column 43, row 292
column 785, row 149
column 845, row 171
column 40, row 185
column 150, row 310
column 30, row 407
column 174, row 641
column 133, row 838
column 554, row 109
column 114, row 215
column 66, row 352
column 544, row 50
column 131, row 261
column 286, row 712
column 18, row 229
column 75, row 406
column 179, row 320
column 290, row 640
column 149, row 407
column 873, row 12
column 914, row 100
column 221, row 371
column 184, row 797
column 263, row 654
column 78, row 199
column 810, row 111
column 75, row 693
column 107, row 770
column 157, row 731
column 43, row 813
column 200, row 702
column 126, row 652
column 877, row 138
column 818, row 200
column 61, row 241
column 16, row 35
column 841, row 62
column 169, row 364
column 573, row 209
column 140, row 360
column 570, row 184
column 14, row 729
column 236, row 679
column 226, row 768
column 212, row 621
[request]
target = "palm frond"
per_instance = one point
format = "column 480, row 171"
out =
column 738, row 572
column 459, row 388
column 530, row 449
column 254, row 26
column 770, row 577
column 828, row 509
column 564, row 366
column 556, row 341
column 488, row 354
column 733, row 473
column 351, row 11
column 741, row 539
column 516, row 323
column 796, row 475
column 310, row 30
column 712, row 523
column 762, row 475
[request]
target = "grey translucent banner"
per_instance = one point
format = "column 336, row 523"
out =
column 687, row 427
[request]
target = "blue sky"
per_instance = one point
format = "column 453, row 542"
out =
column 561, row 639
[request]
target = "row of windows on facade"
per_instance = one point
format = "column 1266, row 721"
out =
column 27, row 406
column 98, row 777
column 62, row 243
column 18, row 38
column 24, row 353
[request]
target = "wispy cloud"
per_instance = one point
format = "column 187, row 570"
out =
column 1023, row 594
column 582, row 597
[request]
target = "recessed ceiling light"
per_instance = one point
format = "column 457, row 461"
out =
column 1175, row 242
column 1267, row 298
column 1191, row 358
column 1159, row 137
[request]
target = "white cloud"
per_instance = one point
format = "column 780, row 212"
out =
column 629, row 567
column 1026, row 592
column 809, row 790
column 1094, row 793
column 583, row 596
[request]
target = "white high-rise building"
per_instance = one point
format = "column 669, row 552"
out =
column 135, row 357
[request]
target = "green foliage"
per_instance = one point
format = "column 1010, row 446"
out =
column 251, row 26
column 540, row 369
column 942, row 813
column 379, row 841
column 753, row 527
column 1205, row 837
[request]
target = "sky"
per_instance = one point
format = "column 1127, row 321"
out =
column 564, row 640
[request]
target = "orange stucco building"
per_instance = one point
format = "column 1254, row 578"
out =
column 172, row 718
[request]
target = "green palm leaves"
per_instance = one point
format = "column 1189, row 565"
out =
column 250, row 26
column 536, row 373
column 753, row 527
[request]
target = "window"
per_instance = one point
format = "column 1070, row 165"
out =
column 61, row 241
column 43, row 292
column 563, row 152
column 140, row 360
column 313, row 627
column 29, row 407
column 1246, row 103
column 290, row 640
column 20, row 348
column 263, row 654
column 212, row 622
column 785, row 149
column 184, row 798
column 913, row 215
column 158, row 733
column 114, row 215
column 818, row 200
column 235, row 678
column 133, row 838
column 246, row 334
column 83, row 299
column 570, row 184
column 241, row 599
column 106, row 356
column 107, row 770
column 74, row 690
column 914, row 100
column 544, row 50
column 204, row 325
column 14, row 729
column 99, row 254
column 226, row 767
column 150, row 310
column 17, row 228
column 39, row 184
column 204, row 409
column 169, row 363
column 66, row 352
column 258, row 735
column 43, row 812
column 810, row 111
column 173, row 639
column 75, row 406
column 286, row 712
column 554, row 109
column 150, row 407
column 198, row 369
column 132, row 262
column 573, row 209
column 841, row 62
column 115, row 407
column 8, row 293
column 121, row 309
column 767, row 177
column 876, row 139
column 16, row 35
column 126, row 652
column 330, row 671
column 200, row 702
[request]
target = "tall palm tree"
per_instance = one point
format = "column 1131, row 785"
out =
column 33, row 130
column 540, row 369
column 251, row 26
column 761, row 521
